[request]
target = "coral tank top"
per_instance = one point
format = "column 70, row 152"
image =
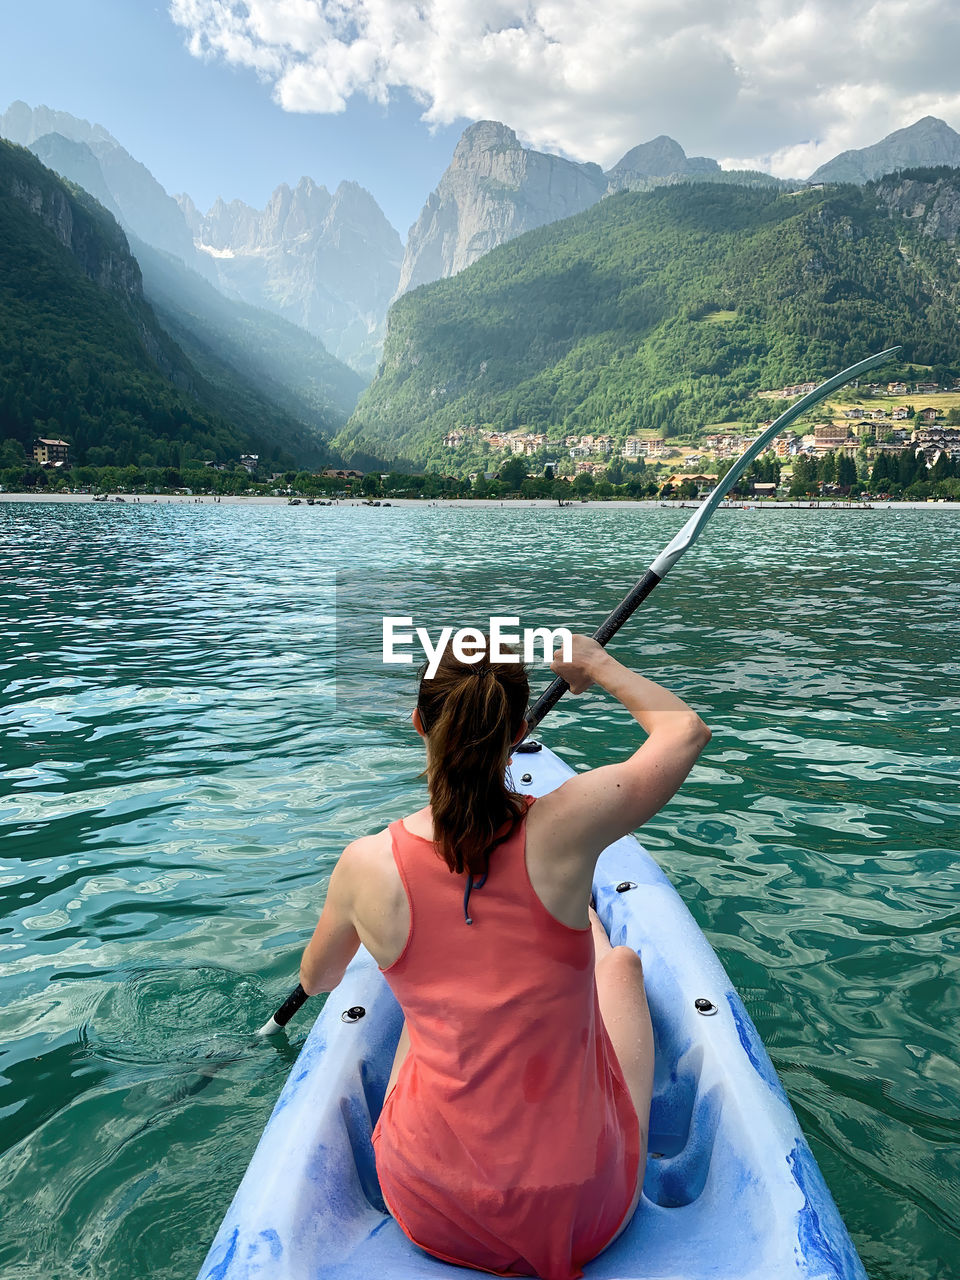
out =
column 510, row 1142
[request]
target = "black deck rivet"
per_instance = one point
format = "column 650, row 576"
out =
column 526, row 777
column 704, row 1006
column 624, row 885
column 353, row 1014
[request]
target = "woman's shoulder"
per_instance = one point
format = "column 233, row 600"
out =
column 367, row 851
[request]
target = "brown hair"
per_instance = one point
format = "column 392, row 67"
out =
column 471, row 714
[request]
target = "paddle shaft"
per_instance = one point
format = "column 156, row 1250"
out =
column 294, row 1001
column 672, row 552
column 603, row 635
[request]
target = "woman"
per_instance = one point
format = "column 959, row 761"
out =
column 513, row 1136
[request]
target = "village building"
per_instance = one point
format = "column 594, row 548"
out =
column 831, row 433
column 936, row 440
column 700, row 482
column 867, row 430
column 926, row 388
column 896, row 388
column 334, row 473
column 931, row 415
column 250, row 462
column 787, row 445
column 50, row 452
column 526, row 444
column 637, row 447
column 892, row 446
column 900, row 413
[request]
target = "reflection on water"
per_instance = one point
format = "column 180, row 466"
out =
column 177, row 780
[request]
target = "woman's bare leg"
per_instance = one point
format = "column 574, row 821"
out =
column 623, row 1007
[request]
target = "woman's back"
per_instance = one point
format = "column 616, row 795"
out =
column 510, row 1142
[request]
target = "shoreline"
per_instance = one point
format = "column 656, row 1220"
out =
column 208, row 500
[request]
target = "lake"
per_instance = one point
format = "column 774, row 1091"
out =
column 192, row 729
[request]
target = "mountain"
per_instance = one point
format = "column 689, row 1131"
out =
column 659, row 158
column 83, row 355
column 496, row 189
column 140, row 202
column 930, row 198
column 329, row 263
column 928, row 142
column 76, row 162
column 664, row 310
column 493, row 190
column 265, row 355
column 285, row 364
column 245, row 349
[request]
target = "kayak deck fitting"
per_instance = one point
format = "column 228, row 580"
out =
column 732, row 1190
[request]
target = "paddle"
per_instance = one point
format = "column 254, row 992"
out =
column 664, row 562
column 295, row 1000
column 669, row 556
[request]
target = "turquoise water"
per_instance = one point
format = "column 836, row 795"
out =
column 176, row 781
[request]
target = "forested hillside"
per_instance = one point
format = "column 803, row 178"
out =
column 82, row 355
column 665, row 310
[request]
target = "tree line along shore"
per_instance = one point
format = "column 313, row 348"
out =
column 905, row 475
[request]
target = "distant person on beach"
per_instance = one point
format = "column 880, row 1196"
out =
column 513, row 1136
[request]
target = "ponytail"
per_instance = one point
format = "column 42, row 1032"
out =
column 471, row 715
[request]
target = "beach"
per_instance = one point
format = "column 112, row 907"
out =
column 237, row 500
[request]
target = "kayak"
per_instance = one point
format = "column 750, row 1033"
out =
column 732, row 1190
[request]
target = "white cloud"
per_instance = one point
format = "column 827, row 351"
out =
column 775, row 84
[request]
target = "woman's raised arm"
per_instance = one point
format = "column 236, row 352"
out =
column 593, row 809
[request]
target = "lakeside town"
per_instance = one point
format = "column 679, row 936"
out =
column 903, row 447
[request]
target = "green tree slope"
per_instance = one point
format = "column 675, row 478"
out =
column 662, row 310
column 83, row 356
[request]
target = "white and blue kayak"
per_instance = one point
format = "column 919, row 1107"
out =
column 732, row 1190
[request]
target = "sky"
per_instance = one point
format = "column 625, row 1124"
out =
column 205, row 127
column 231, row 97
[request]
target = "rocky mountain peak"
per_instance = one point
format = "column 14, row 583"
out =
column 494, row 190
column 191, row 214
column 329, row 263
column 24, row 124
column 142, row 204
column 928, row 142
column 485, row 135
column 661, row 157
